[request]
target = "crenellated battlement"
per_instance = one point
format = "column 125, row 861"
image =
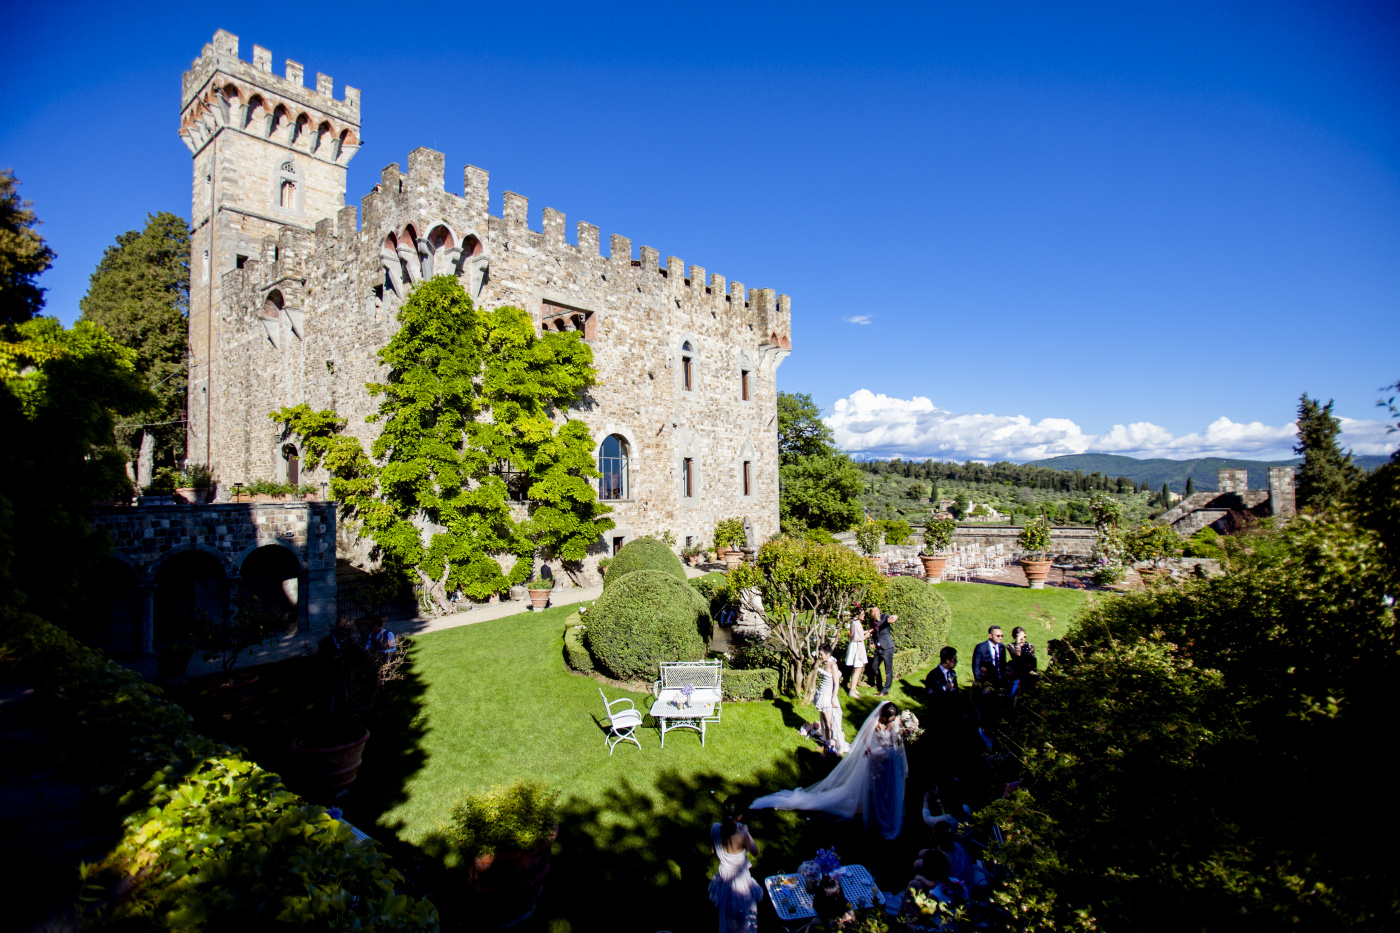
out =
column 412, row 215
column 222, row 91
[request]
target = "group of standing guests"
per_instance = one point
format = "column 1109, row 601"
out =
column 827, row 697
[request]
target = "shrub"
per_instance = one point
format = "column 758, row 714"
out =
column 938, row 534
column 756, row 684
column 575, row 654
column 1205, row 543
column 644, row 618
column 868, row 538
column 162, row 483
column 907, row 662
column 715, row 591
column 511, row 818
column 538, row 582
column 897, row 530
column 729, row 532
column 643, row 554
column 209, row 832
column 924, row 617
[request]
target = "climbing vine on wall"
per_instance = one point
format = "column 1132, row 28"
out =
column 468, row 393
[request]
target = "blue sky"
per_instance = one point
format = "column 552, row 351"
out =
column 1007, row 230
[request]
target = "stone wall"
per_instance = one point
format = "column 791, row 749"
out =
column 304, row 317
column 145, row 538
column 1078, row 542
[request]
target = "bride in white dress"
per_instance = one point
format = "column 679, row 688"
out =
column 868, row 782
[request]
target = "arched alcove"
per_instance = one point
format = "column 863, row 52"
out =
column 271, row 575
column 187, row 584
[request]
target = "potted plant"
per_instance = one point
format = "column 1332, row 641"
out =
column 938, row 537
column 1155, row 543
column 868, row 539
column 603, row 564
column 539, row 587
column 504, row 839
column 729, row 534
column 161, row 489
column 691, row 555
column 193, row 483
column 1034, row 542
column 224, row 641
column 353, row 679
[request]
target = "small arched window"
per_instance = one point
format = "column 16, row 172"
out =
column 289, row 453
column 687, row 367
column 612, row 464
column 272, row 305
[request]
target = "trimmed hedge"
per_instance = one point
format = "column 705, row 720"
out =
column 645, row 618
column 925, row 620
column 575, row 654
column 643, row 554
column 758, row 684
column 209, row 838
column 907, row 662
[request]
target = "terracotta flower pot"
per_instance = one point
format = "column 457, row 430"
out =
column 508, row 884
column 1037, row 571
column 733, row 557
column 327, row 771
column 234, row 695
column 933, row 568
column 539, row 599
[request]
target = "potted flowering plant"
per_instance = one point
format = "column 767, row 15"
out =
column 540, row 588
column 868, row 539
column 504, row 839
column 938, row 536
column 192, row 484
column 1155, row 543
column 729, row 534
column 1034, row 541
column 691, row 555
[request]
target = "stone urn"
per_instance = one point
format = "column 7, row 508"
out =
column 933, row 567
column 329, row 770
column 1037, row 572
column 508, row 884
column 539, row 599
column 191, row 496
column 732, row 557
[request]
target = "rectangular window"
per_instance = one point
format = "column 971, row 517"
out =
column 617, row 545
column 685, row 373
column 748, row 486
column 240, row 261
column 744, row 385
column 687, row 475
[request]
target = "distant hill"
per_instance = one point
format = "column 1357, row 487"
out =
column 1157, row 471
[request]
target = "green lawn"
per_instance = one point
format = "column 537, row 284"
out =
column 492, row 702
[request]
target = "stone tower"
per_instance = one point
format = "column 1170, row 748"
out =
column 268, row 153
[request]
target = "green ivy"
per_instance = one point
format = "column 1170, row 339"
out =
column 467, row 392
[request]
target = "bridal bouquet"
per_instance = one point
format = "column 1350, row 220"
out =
column 909, row 729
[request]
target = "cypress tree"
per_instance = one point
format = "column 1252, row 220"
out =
column 139, row 294
column 1190, row 486
column 1165, row 496
column 1327, row 473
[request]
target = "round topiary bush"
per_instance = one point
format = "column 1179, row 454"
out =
column 643, row 618
column 643, row 554
column 925, row 620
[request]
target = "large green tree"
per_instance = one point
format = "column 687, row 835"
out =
column 61, row 393
column 1327, row 473
column 818, row 486
column 467, row 414
column 23, row 254
column 139, row 293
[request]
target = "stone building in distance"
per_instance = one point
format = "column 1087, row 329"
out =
column 1232, row 499
column 290, row 301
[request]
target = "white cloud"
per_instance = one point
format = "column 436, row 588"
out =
column 883, row 426
column 857, row 319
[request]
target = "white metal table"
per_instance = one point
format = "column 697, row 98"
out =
column 671, row 713
column 792, row 902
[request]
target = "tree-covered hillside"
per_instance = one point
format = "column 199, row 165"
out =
column 1174, row 473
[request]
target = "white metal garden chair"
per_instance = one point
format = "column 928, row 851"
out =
column 621, row 724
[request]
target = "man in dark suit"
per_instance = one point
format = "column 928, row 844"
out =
column 884, row 648
column 989, row 659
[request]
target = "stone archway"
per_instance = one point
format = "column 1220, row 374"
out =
column 272, row 575
column 186, row 584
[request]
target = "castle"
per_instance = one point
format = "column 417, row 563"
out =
column 290, row 302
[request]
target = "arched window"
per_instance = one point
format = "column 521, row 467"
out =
column 687, row 367
column 273, row 304
column 612, row 464
column 285, row 195
column 289, row 453
column 289, row 195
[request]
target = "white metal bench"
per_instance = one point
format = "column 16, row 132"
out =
column 673, row 710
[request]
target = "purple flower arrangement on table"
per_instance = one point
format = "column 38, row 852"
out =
column 827, row 860
column 686, row 692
